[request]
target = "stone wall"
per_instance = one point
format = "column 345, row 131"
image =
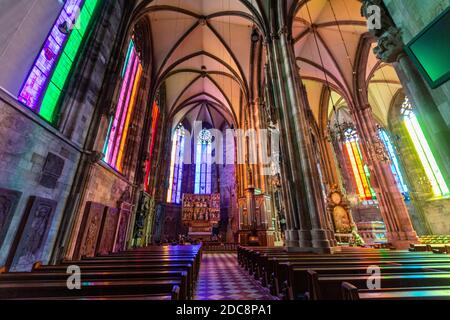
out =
column 412, row 16
column 25, row 143
column 24, row 26
column 28, row 141
column 104, row 186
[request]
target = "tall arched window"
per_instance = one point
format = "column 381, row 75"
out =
column 42, row 90
column 361, row 172
column 119, row 124
column 176, row 166
column 434, row 175
column 395, row 166
column 203, row 163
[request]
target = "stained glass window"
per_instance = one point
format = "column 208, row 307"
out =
column 361, row 173
column 119, row 124
column 148, row 164
column 434, row 175
column 43, row 87
column 395, row 165
column 203, row 163
column 176, row 166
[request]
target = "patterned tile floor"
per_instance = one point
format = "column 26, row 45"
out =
column 221, row 278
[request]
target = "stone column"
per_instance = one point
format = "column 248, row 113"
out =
column 307, row 227
column 400, row 232
column 390, row 50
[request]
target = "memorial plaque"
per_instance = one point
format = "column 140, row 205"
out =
column 52, row 171
column 9, row 200
column 32, row 234
column 90, row 229
column 108, row 231
column 124, row 219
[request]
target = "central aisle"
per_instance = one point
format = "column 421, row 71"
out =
column 221, row 278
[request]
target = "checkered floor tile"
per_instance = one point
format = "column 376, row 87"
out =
column 221, row 278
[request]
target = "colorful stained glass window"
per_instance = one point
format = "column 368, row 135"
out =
column 203, row 163
column 43, row 87
column 119, row 125
column 361, row 173
column 434, row 174
column 176, row 166
column 154, row 128
column 395, row 164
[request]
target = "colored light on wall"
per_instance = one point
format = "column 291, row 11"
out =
column 52, row 67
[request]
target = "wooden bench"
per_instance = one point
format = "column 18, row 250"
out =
column 350, row 292
column 156, row 273
column 328, row 287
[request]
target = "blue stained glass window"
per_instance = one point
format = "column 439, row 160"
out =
column 203, row 163
column 395, row 166
column 176, row 166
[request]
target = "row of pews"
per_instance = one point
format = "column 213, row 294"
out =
column 352, row 274
column 154, row 273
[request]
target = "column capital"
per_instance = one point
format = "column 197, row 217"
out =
column 390, row 45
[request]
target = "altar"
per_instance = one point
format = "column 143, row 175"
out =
column 200, row 214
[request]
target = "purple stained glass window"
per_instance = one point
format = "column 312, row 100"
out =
column 44, row 64
column 34, row 85
column 48, row 56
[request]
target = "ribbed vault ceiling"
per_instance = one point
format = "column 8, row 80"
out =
column 201, row 51
column 327, row 35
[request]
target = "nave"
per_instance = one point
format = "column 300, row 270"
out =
column 221, row 278
column 255, row 273
column 224, row 149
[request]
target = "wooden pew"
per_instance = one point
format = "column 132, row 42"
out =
column 352, row 293
column 296, row 285
column 118, row 267
column 86, row 278
column 280, row 266
column 328, row 287
column 156, row 273
column 118, row 289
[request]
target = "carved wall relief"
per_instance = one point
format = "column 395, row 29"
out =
column 32, row 234
column 9, row 200
column 122, row 231
column 90, row 229
column 108, row 231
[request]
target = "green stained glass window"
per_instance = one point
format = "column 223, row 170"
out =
column 73, row 45
column 67, row 58
column 61, row 72
column 50, row 101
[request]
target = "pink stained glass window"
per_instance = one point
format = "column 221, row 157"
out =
column 119, row 111
column 125, row 112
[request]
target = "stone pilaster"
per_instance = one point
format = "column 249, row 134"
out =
column 306, row 221
column 400, row 231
